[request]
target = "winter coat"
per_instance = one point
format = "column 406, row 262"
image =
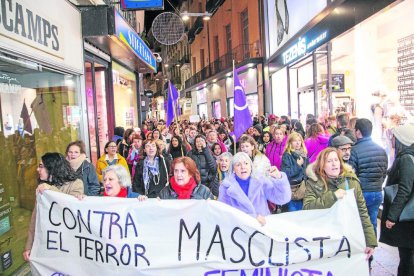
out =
column 123, row 148
column 154, row 187
column 370, row 163
column 200, row 192
column 401, row 173
column 317, row 198
column 290, row 166
column 90, row 179
column 274, row 152
column 176, row 151
column 207, row 167
column 101, row 164
column 315, row 146
column 260, row 191
column 74, row 188
column 261, row 165
column 131, row 194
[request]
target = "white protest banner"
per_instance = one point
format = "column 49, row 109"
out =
column 113, row 236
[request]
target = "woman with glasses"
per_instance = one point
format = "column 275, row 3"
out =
column 110, row 158
column 151, row 174
column 55, row 174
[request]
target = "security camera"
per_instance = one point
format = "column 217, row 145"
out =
column 158, row 58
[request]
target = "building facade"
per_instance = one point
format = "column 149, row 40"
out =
column 232, row 34
column 42, row 107
column 341, row 56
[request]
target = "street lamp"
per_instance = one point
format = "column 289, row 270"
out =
column 185, row 16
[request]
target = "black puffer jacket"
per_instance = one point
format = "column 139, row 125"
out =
column 401, row 173
column 200, row 192
column 155, row 184
column 207, row 167
column 370, row 163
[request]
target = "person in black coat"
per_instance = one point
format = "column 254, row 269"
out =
column 185, row 183
column 206, row 164
column 176, row 148
column 393, row 232
column 152, row 171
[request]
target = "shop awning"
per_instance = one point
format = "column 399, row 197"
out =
column 105, row 27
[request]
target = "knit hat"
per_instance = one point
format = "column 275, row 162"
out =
column 259, row 128
column 272, row 117
column 405, row 134
column 340, row 141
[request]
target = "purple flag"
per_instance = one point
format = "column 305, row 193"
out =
column 242, row 118
column 171, row 103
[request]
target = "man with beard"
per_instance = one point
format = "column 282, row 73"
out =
column 344, row 144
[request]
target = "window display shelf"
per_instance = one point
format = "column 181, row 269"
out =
column 405, row 72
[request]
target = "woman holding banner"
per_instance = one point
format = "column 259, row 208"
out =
column 249, row 193
column 55, row 174
column 185, row 183
column 328, row 180
column 117, row 183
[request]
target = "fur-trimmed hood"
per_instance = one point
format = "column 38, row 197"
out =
column 310, row 172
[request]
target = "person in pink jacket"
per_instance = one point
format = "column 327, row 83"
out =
column 316, row 141
column 274, row 150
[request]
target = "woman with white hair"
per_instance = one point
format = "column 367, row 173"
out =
column 117, row 183
column 250, row 194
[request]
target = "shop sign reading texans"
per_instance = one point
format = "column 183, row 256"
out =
column 302, row 47
column 131, row 39
column 26, row 25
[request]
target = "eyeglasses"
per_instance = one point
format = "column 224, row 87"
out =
column 112, row 147
column 346, row 149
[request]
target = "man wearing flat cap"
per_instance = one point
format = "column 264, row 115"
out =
column 344, row 144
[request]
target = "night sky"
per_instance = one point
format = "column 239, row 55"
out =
column 150, row 15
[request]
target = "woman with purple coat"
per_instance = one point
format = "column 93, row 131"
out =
column 274, row 150
column 250, row 194
column 315, row 141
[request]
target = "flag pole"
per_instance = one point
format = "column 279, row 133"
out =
column 175, row 113
column 235, row 141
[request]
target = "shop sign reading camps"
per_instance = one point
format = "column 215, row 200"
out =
column 113, row 236
column 25, row 24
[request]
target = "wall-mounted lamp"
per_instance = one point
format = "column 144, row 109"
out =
column 158, row 57
column 185, row 16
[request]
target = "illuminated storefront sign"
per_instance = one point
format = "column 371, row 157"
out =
column 303, row 46
column 131, row 39
column 142, row 4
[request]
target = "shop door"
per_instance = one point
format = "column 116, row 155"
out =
column 96, row 78
column 306, row 76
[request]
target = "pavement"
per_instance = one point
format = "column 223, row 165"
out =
column 386, row 259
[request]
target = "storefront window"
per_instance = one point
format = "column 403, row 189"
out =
column 230, row 106
column 376, row 59
column 202, row 111
column 280, row 93
column 125, row 97
column 253, row 104
column 39, row 113
column 217, row 109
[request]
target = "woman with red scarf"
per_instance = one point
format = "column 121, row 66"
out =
column 117, row 183
column 185, row 183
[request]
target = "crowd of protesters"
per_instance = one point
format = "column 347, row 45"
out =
column 278, row 165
